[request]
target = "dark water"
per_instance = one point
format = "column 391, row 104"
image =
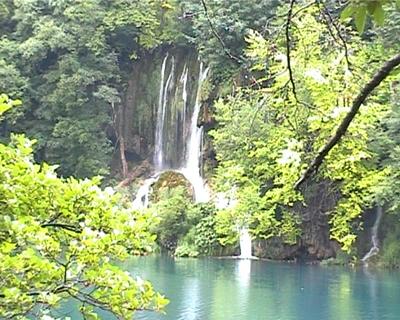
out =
column 221, row 289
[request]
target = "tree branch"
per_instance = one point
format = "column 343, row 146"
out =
column 287, row 34
column 57, row 290
column 216, row 34
column 68, row 227
column 330, row 20
column 378, row 77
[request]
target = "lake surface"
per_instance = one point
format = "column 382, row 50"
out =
column 223, row 289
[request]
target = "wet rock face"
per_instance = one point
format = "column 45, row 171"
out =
column 314, row 243
column 167, row 76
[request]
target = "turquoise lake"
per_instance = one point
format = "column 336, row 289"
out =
column 225, row 289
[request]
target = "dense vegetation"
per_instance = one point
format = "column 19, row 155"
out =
column 59, row 238
column 285, row 79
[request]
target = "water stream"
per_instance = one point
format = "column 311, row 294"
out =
column 374, row 236
column 158, row 152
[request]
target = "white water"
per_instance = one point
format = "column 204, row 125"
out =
column 191, row 169
column 142, row 196
column 374, row 236
column 161, row 112
column 225, row 200
column 158, row 154
column 245, row 244
column 184, row 79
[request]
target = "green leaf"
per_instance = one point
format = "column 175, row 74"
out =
column 372, row 7
column 347, row 12
column 379, row 15
column 360, row 19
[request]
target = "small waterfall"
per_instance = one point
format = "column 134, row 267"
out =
column 374, row 236
column 245, row 244
column 142, row 196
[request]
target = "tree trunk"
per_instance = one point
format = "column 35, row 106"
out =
column 119, row 131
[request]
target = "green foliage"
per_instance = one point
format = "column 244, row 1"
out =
column 386, row 145
column 60, row 237
column 206, row 240
column 173, row 210
column 186, row 246
column 6, row 103
column 185, row 228
column 361, row 9
column 267, row 135
column 390, row 249
column 202, row 238
column 186, row 251
column 231, row 21
column 67, row 60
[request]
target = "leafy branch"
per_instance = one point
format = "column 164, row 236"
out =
column 378, row 77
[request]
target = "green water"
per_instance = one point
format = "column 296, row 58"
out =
column 222, row 289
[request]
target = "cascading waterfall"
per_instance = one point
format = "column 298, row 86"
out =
column 191, row 170
column 178, row 138
column 374, row 236
column 161, row 112
column 177, row 141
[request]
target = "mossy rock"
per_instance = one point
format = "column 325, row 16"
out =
column 171, row 180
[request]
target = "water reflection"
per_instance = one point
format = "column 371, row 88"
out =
column 243, row 267
column 191, row 300
column 218, row 289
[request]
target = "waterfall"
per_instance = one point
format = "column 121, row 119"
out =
column 245, row 244
column 374, row 236
column 184, row 79
column 158, row 154
column 178, row 139
column 191, row 169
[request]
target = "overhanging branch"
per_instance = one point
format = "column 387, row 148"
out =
column 216, row 34
column 378, row 77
